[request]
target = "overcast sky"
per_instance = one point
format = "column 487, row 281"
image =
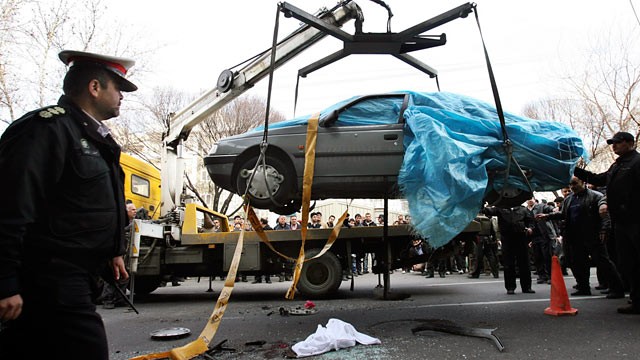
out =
column 531, row 45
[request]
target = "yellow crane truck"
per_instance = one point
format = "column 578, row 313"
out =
column 175, row 242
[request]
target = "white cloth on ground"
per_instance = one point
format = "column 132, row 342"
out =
column 337, row 335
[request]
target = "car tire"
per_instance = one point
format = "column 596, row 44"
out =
column 292, row 207
column 280, row 177
column 510, row 198
column 320, row 277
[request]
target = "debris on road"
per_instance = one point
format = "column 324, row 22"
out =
column 335, row 336
column 460, row 330
column 172, row 333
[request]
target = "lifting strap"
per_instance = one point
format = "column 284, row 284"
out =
column 507, row 144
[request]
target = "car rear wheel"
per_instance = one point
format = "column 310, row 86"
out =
column 273, row 180
column 507, row 197
column 320, row 277
column 291, row 207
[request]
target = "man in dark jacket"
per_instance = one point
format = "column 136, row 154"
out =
column 584, row 230
column 516, row 225
column 622, row 199
column 63, row 214
column 542, row 238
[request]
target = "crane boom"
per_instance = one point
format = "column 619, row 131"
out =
column 230, row 85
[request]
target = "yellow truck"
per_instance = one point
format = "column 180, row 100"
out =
column 178, row 244
column 141, row 184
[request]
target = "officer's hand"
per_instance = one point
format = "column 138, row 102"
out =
column 604, row 209
column 119, row 271
column 10, row 308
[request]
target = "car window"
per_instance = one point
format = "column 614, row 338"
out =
column 372, row 111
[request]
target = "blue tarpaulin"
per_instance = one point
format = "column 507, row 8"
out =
column 452, row 142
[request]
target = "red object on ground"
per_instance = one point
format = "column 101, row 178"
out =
column 309, row 304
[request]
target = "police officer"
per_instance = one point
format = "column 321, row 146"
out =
column 516, row 225
column 485, row 246
column 63, row 214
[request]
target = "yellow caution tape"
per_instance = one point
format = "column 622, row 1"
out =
column 201, row 344
column 307, row 181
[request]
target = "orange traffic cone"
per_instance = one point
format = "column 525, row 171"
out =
column 559, row 299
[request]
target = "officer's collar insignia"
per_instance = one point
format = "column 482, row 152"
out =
column 87, row 148
column 51, row 112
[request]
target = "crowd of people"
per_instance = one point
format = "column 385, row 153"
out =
column 593, row 223
column 360, row 260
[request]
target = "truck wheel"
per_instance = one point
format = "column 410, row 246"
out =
column 276, row 176
column 320, row 277
column 144, row 285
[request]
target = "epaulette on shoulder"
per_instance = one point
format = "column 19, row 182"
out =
column 50, row 112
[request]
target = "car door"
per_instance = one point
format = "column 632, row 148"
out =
column 361, row 143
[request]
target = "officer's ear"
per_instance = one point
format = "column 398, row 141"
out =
column 94, row 87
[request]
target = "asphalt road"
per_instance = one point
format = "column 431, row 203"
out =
column 596, row 332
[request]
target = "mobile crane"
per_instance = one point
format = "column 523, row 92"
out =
column 175, row 243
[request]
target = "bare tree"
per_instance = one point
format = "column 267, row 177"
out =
column 140, row 131
column 604, row 96
column 237, row 117
column 33, row 32
column 10, row 27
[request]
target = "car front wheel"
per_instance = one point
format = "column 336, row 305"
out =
column 272, row 183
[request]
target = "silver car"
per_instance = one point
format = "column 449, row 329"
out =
column 352, row 161
column 359, row 153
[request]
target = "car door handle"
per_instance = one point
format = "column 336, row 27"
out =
column 391, row 136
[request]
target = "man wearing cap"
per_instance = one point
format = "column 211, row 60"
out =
column 63, row 215
column 621, row 201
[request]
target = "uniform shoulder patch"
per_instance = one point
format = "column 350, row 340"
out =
column 51, row 112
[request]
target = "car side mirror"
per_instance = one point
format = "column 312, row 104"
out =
column 329, row 119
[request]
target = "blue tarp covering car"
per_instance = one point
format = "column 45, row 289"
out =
column 452, row 145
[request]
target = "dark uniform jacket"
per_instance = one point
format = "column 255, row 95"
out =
column 543, row 231
column 513, row 222
column 622, row 180
column 587, row 223
column 62, row 192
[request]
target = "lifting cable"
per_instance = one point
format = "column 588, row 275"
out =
column 507, row 144
column 265, row 134
column 312, row 131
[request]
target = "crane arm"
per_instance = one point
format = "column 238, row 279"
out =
column 232, row 84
